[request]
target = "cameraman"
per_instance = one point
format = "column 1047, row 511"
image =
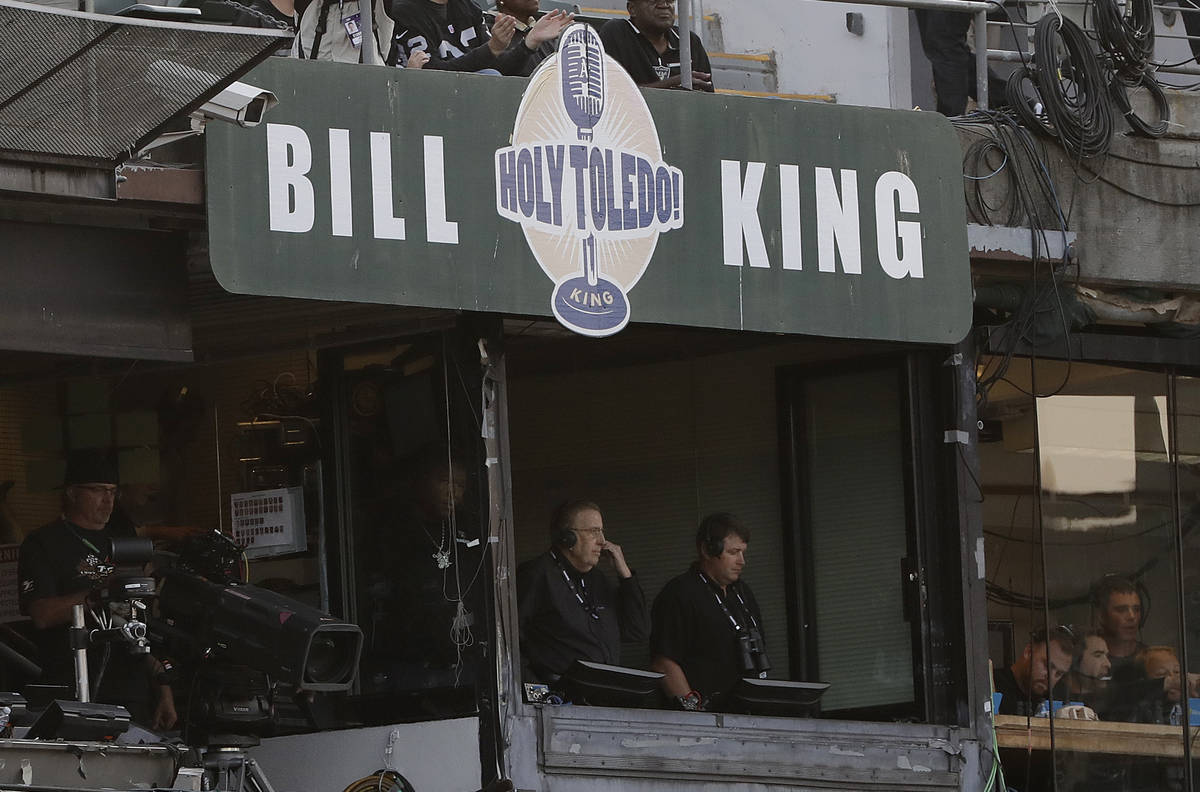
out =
column 61, row 565
column 707, row 631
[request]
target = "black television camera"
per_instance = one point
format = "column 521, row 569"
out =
column 236, row 643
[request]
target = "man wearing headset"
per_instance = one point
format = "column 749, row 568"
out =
column 1120, row 614
column 61, row 565
column 707, row 627
column 569, row 609
column 1025, row 685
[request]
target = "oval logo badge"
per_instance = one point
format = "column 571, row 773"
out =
column 586, row 180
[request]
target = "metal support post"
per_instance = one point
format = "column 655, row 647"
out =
column 981, row 60
column 79, row 644
column 685, row 44
column 366, row 18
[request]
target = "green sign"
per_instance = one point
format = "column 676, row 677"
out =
column 574, row 194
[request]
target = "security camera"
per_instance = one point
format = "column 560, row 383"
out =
column 240, row 103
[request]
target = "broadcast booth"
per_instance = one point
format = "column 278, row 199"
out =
column 405, row 337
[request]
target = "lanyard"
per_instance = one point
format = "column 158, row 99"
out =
column 586, row 604
column 737, row 626
column 84, row 539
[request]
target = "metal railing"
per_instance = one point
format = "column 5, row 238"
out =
column 1013, row 56
column 977, row 8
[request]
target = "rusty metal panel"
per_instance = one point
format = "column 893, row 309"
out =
column 670, row 747
column 85, row 765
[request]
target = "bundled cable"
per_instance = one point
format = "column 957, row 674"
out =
column 1073, row 86
column 1120, row 99
column 1012, row 153
column 1127, row 35
column 1025, row 99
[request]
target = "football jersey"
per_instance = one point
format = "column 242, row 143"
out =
column 453, row 34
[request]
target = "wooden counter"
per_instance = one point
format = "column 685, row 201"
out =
column 1108, row 737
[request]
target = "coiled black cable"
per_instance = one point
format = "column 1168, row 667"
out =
column 1127, row 35
column 1073, row 86
column 1025, row 99
column 1120, row 99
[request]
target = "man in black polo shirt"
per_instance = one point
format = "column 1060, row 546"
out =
column 647, row 45
column 60, row 565
column 707, row 630
column 568, row 609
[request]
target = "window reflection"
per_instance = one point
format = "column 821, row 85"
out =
column 1080, row 518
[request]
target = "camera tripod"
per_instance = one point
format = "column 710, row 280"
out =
column 227, row 768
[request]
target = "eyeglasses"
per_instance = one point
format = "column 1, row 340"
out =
column 592, row 531
column 100, row 489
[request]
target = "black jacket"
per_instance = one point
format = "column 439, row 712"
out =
column 557, row 628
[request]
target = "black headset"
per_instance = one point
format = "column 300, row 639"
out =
column 707, row 537
column 561, row 534
column 1103, row 589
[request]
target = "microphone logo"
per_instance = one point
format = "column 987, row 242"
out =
column 582, row 73
column 586, row 180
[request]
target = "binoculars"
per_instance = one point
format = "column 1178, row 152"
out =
column 753, row 651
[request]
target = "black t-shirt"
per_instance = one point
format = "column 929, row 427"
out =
column 1126, row 669
column 57, row 559
column 583, row 618
column 692, row 629
column 626, row 44
column 1013, row 700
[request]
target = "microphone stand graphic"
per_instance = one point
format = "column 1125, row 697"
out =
column 586, row 302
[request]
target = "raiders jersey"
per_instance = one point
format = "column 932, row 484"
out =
column 625, row 43
column 454, row 35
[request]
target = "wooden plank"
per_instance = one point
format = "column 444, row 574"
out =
column 1130, row 739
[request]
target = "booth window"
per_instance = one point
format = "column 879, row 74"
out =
column 415, row 576
column 1090, row 507
column 816, row 457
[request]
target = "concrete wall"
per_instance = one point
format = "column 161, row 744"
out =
column 1136, row 211
column 815, row 52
